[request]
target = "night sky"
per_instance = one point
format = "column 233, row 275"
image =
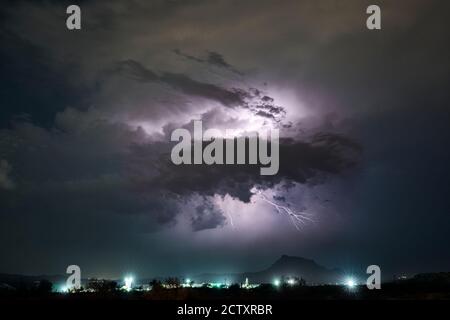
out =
column 86, row 118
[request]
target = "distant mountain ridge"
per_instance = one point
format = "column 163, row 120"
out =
column 307, row 269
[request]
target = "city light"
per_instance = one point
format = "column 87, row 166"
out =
column 276, row 283
column 350, row 283
column 128, row 283
column 216, row 284
column 291, row 282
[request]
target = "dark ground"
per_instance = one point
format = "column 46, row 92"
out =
column 393, row 300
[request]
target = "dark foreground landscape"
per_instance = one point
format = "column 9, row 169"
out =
column 407, row 290
column 393, row 299
column 288, row 278
column 417, row 296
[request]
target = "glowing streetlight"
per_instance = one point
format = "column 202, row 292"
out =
column 188, row 282
column 350, row 283
column 276, row 283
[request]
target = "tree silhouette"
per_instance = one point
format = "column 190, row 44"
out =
column 173, row 282
column 156, row 285
column 102, row 286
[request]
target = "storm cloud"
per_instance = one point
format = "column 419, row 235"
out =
column 86, row 117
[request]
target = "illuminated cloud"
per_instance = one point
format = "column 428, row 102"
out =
column 86, row 117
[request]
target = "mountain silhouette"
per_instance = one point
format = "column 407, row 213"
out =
column 285, row 266
column 289, row 266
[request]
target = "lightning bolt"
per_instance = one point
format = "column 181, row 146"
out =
column 298, row 219
column 231, row 220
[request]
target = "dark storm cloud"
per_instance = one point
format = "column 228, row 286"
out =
column 188, row 56
column 217, row 59
column 279, row 198
column 76, row 172
column 252, row 99
column 265, row 106
column 264, row 114
column 300, row 162
column 207, row 216
column 94, row 183
column 229, row 98
column 213, row 58
column 23, row 69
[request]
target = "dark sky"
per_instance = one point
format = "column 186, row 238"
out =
column 86, row 118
